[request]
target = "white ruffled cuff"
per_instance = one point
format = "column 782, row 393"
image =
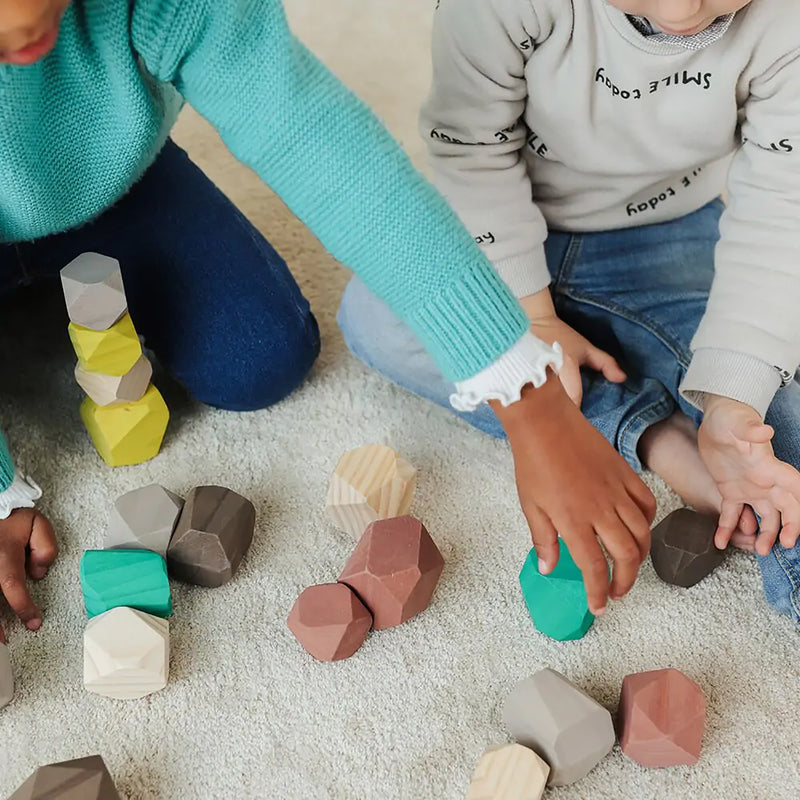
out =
column 526, row 362
column 21, row 494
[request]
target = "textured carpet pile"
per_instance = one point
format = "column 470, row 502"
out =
column 247, row 714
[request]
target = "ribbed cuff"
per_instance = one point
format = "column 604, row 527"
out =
column 727, row 373
column 526, row 273
column 525, row 363
column 20, row 494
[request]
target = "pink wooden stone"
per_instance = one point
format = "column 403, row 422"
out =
column 329, row 621
column 394, row 570
column 662, row 717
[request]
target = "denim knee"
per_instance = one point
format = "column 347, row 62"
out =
column 780, row 571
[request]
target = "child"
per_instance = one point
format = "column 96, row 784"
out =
column 88, row 93
column 585, row 144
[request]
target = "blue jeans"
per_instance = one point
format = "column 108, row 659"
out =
column 639, row 294
column 212, row 299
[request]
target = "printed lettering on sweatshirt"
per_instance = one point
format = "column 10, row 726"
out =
column 683, row 78
column 781, row 146
column 657, row 200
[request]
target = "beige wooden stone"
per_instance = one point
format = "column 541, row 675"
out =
column 109, row 390
column 509, row 772
column 6, row 677
column 370, row 483
column 126, row 654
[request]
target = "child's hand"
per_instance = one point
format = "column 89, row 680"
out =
column 735, row 445
column 26, row 539
column 578, row 350
column 573, row 483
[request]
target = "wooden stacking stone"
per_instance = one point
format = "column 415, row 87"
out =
column 662, row 717
column 109, row 390
column 143, row 519
column 566, row 727
column 509, row 772
column 135, row 578
column 126, row 654
column 394, row 570
column 213, row 533
column 94, row 291
column 682, row 548
column 110, row 352
column 80, row 779
column 329, row 621
column 370, row 483
column 6, row 677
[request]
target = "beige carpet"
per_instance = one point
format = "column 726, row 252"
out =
column 247, row 714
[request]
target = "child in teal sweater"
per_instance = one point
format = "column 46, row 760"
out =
column 89, row 91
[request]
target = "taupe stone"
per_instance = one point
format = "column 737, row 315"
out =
column 81, row 779
column 94, row 291
column 6, row 677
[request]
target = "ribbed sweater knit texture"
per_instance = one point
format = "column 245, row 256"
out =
column 82, row 125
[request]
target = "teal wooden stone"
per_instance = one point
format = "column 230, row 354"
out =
column 132, row 578
column 556, row 602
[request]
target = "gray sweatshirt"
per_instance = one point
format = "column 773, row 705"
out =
column 561, row 114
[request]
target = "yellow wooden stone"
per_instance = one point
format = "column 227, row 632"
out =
column 112, row 352
column 129, row 433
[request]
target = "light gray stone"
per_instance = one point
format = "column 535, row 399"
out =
column 94, row 291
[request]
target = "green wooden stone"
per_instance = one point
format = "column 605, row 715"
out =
column 556, row 602
column 133, row 578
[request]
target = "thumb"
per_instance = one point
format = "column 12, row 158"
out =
column 545, row 541
column 757, row 432
column 570, row 377
column 43, row 547
column 604, row 363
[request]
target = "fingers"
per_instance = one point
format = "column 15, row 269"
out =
column 12, row 585
column 769, row 528
column 43, row 547
column 604, row 363
column 627, row 543
column 570, row 377
column 643, row 498
column 589, row 557
column 728, row 521
column 748, row 524
column 545, row 540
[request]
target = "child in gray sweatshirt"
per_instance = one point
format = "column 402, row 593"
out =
column 585, row 144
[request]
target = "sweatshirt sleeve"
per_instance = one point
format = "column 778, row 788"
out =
column 748, row 342
column 322, row 151
column 473, row 124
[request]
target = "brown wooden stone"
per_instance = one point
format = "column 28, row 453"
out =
column 330, row 621
column 682, row 549
column 394, row 570
column 80, row 779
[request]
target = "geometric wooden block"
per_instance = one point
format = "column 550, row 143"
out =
column 329, row 621
column 93, row 290
column 125, row 654
column 107, row 390
column 143, row 519
column 213, row 533
column 6, row 677
column 80, row 779
column 682, row 548
column 134, row 578
column 509, row 772
column 557, row 601
column 129, row 433
column 566, row 727
column 370, row 483
column 662, row 716
column 110, row 352
column 394, row 570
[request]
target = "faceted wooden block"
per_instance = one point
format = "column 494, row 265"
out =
column 125, row 654
column 108, row 390
column 569, row 729
column 143, row 519
column 110, row 352
column 394, row 570
column 556, row 602
column 135, row 578
column 329, row 621
column 81, row 779
column 682, row 549
column 509, row 772
column 213, row 533
column 129, row 433
column 6, row 677
column 93, row 290
column 368, row 484
column 662, row 717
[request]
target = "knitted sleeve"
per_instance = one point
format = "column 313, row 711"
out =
column 16, row 490
column 6, row 465
column 322, row 151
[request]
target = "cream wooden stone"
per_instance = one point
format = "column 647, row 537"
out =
column 126, row 654
column 109, row 390
column 370, row 483
column 6, row 677
column 509, row 772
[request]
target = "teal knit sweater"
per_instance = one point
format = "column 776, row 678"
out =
column 82, row 125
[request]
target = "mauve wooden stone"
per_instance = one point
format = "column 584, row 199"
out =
column 213, row 533
column 329, row 621
column 682, row 549
column 6, row 677
column 394, row 570
column 662, row 717
column 81, row 779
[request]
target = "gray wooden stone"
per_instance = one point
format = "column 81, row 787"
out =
column 143, row 519
column 213, row 533
column 570, row 730
column 682, row 548
column 81, row 779
column 6, row 677
column 94, row 291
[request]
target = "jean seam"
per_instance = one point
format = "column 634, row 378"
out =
column 650, row 414
column 568, row 261
column 793, row 578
